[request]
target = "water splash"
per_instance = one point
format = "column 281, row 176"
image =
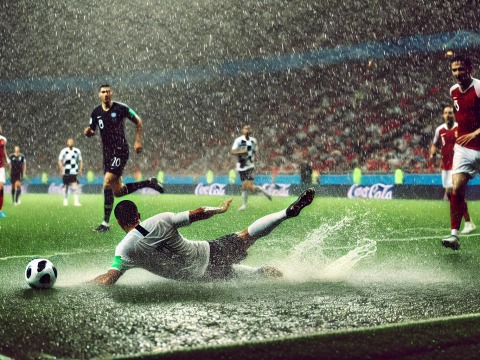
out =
column 329, row 252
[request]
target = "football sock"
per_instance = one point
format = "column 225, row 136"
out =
column 466, row 214
column 266, row 224
column 17, row 194
column 457, row 203
column 259, row 188
column 65, row 194
column 108, row 204
column 13, row 193
column 244, row 197
column 1, row 199
column 132, row 187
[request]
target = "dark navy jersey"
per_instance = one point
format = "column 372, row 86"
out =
column 16, row 164
column 112, row 127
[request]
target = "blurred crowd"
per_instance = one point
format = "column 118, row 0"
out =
column 374, row 114
column 377, row 115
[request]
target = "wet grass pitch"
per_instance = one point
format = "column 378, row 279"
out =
column 348, row 265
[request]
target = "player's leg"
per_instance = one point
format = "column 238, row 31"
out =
column 245, row 190
column 2, row 182
column 266, row 224
column 76, row 193
column 65, row 190
column 12, row 189
column 110, row 180
column 18, row 191
column 447, row 183
column 457, row 209
column 469, row 225
column 250, row 186
column 258, row 188
column 152, row 183
column 2, row 215
column 231, row 249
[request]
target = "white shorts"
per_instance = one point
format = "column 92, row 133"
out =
column 466, row 161
column 2, row 175
column 447, row 179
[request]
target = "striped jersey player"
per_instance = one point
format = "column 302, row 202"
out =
column 245, row 148
column 70, row 163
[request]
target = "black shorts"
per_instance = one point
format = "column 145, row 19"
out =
column 224, row 252
column 115, row 163
column 246, row 175
column 14, row 177
column 69, row 179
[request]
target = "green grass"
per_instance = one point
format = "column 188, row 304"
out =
column 330, row 299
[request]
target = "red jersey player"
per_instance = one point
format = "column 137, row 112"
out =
column 466, row 160
column 446, row 136
column 3, row 158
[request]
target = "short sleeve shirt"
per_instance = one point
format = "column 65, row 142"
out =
column 112, row 127
column 158, row 247
column 245, row 162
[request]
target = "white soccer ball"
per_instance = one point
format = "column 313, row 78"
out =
column 40, row 274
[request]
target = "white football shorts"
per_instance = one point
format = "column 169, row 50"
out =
column 2, row 175
column 466, row 161
column 447, row 179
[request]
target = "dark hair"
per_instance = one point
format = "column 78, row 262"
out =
column 126, row 212
column 102, row 86
column 463, row 59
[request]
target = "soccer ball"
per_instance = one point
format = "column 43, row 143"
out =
column 40, row 274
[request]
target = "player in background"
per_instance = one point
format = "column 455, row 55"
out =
column 445, row 136
column 3, row 158
column 18, row 170
column 70, row 163
column 157, row 246
column 109, row 118
column 245, row 148
column 466, row 159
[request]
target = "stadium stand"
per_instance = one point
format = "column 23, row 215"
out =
column 378, row 114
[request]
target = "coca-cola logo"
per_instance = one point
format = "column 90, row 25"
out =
column 277, row 189
column 213, row 189
column 376, row 191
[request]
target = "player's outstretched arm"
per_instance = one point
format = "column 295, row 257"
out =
column 206, row 212
column 109, row 278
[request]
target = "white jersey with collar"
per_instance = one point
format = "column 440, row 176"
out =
column 163, row 251
column 245, row 162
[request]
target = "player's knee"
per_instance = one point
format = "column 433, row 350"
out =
column 119, row 191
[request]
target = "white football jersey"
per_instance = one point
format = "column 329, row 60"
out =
column 70, row 160
column 245, row 162
column 157, row 246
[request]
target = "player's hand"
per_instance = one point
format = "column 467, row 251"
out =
column 225, row 205
column 465, row 139
column 138, row 147
column 88, row 132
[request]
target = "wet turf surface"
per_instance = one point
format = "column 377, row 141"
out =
column 406, row 277
column 85, row 322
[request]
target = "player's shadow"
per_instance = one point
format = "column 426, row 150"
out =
column 30, row 293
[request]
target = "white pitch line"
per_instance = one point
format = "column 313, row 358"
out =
column 439, row 237
column 55, row 254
